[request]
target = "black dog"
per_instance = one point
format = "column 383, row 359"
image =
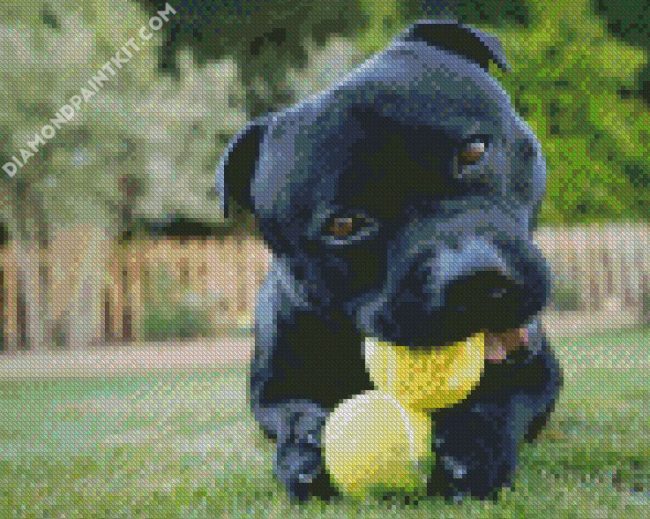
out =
column 399, row 204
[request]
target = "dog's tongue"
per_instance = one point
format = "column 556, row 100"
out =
column 498, row 345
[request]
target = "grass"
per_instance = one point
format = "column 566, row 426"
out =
column 184, row 445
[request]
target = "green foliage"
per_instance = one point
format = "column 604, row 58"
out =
column 492, row 12
column 161, row 136
column 181, row 130
column 165, row 321
column 384, row 19
column 169, row 314
column 264, row 37
column 566, row 296
column 325, row 65
column 49, row 51
column 568, row 72
column 629, row 20
column 166, row 133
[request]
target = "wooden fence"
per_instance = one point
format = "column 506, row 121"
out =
column 608, row 266
column 601, row 267
column 222, row 274
column 103, row 287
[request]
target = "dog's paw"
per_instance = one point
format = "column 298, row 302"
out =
column 456, row 479
column 475, row 455
column 298, row 467
column 299, row 464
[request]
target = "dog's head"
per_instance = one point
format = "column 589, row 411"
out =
column 406, row 195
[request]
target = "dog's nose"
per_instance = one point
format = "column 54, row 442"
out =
column 483, row 292
column 475, row 280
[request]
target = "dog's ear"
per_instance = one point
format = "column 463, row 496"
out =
column 237, row 168
column 539, row 184
column 471, row 43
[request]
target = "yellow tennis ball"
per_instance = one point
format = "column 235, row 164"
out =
column 430, row 378
column 372, row 444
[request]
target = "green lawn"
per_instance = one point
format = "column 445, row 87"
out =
column 184, row 445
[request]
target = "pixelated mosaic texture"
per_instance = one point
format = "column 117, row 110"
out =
column 127, row 301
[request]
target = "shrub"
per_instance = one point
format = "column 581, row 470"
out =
column 167, row 315
column 566, row 296
column 168, row 321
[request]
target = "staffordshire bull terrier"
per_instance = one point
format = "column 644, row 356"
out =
column 399, row 204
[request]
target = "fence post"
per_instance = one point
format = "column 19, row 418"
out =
column 644, row 307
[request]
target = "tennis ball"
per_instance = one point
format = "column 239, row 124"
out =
column 372, row 444
column 430, row 378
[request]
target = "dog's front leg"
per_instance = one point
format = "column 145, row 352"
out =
column 475, row 452
column 296, row 425
column 476, row 442
column 288, row 384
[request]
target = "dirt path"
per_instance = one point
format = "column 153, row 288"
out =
column 122, row 359
column 127, row 359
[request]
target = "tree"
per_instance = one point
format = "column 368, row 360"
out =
column 265, row 38
column 49, row 51
column 183, row 126
column 628, row 20
column 568, row 76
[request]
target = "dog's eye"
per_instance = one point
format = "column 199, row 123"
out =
column 471, row 152
column 342, row 227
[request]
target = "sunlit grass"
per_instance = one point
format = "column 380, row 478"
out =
column 184, row 445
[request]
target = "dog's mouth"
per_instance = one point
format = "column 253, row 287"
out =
column 499, row 345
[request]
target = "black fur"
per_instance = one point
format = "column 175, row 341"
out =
column 442, row 251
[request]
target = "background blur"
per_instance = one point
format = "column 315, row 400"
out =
column 111, row 232
column 126, row 302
